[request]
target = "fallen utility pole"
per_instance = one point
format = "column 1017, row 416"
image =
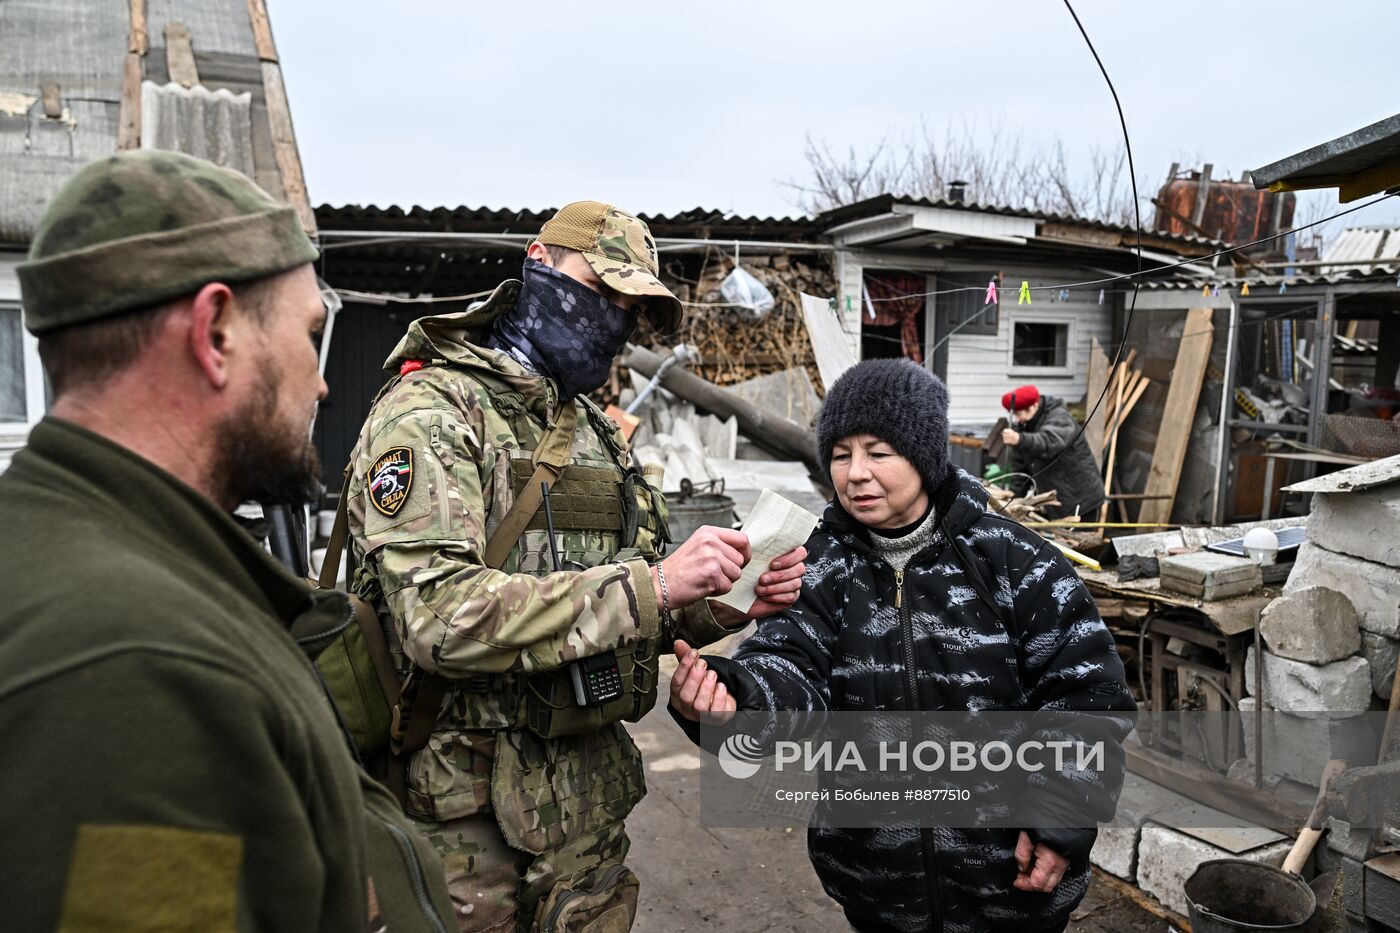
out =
column 774, row 433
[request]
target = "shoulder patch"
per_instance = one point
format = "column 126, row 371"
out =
column 390, row 479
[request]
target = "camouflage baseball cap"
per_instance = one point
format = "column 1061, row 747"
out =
column 620, row 249
column 138, row 228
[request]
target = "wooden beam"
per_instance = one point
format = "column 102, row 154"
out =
column 1179, row 413
column 53, row 99
column 1377, row 178
column 129, row 116
column 262, row 31
column 138, row 40
column 1098, row 380
column 179, row 55
column 284, row 145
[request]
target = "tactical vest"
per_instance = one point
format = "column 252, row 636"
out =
column 602, row 511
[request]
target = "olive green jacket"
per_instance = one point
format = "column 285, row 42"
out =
column 170, row 759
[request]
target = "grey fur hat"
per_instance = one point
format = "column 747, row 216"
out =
column 898, row 401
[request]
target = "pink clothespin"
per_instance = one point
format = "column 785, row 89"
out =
column 991, row 293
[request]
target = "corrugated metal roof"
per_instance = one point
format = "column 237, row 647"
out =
column 213, row 125
column 1359, row 243
column 694, row 222
column 81, row 45
column 881, row 204
column 1259, row 284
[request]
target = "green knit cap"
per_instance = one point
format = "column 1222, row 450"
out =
column 138, row 228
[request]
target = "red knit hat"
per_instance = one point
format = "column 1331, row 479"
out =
column 1024, row 398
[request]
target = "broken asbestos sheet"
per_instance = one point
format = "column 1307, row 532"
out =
column 775, row 526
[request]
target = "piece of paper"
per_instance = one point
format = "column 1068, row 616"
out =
column 775, row 526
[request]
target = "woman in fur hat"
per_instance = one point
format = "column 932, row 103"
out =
column 916, row 597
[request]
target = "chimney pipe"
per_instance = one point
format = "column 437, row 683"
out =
column 957, row 192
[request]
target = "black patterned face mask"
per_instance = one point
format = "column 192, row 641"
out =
column 564, row 330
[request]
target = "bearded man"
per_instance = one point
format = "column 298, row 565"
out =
column 172, row 760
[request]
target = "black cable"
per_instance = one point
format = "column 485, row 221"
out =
column 1137, row 215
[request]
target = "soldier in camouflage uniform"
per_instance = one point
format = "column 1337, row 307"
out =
column 522, row 790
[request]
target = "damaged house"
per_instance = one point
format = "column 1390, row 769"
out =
column 80, row 79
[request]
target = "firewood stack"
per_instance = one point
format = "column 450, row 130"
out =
column 1021, row 508
column 733, row 344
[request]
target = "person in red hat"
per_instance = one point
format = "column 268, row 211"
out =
column 1048, row 447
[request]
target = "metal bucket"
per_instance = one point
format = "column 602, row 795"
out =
column 1228, row 895
column 688, row 514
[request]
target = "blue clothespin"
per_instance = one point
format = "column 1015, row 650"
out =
column 1282, row 287
column 1064, row 294
column 1215, row 292
column 1101, row 296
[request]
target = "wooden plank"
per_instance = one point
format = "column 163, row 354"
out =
column 284, row 145
column 1188, row 375
column 262, row 30
column 53, row 99
column 138, row 39
column 179, row 55
column 1112, row 444
column 829, row 344
column 129, row 116
column 1098, row 380
column 1130, row 403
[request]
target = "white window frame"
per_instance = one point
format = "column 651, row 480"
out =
column 34, row 401
column 1070, row 334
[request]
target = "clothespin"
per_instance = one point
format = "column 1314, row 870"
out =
column 991, row 293
column 848, row 303
column 1064, row 294
column 1397, row 281
column 1282, row 287
column 1205, row 291
column 1101, row 296
column 1025, row 297
column 1244, row 291
column 1215, row 292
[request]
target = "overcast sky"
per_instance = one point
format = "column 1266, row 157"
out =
column 667, row 106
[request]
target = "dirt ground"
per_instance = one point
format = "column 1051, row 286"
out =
column 755, row 880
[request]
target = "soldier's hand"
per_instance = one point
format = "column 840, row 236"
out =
column 706, row 565
column 776, row 590
column 696, row 691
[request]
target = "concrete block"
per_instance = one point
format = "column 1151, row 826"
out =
column 1361, row 524
column 1298, row 748
column 1374, row 589
column 1166, row 858
column 1381, row 653
column 1342, row 688
column 1346, row 841
column 1315, row 624
column 1115, row 850
column 1207, row 575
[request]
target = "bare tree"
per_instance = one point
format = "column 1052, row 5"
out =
column 997, row 168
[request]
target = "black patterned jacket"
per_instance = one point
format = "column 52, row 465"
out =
column 1023, row 634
